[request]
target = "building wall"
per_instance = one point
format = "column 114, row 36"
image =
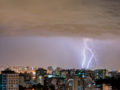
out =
column 10, row 81
column 0, row 82
column 21, row 80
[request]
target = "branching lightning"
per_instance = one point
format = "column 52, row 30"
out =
column 87, row 60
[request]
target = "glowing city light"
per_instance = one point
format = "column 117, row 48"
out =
column 87, row 60
column 34, row 72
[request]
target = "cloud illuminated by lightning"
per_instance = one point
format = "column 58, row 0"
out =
column 87, row 60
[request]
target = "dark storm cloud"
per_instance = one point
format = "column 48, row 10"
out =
column 60, row 17
column 51, row 32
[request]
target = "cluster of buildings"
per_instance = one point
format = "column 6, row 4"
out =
column 49, row 79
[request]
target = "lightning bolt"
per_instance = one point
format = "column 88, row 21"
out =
column 84, row 55
column 87, row 61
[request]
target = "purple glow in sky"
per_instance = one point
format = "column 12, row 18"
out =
column 57, row 51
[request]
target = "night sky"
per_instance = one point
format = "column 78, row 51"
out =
column 52, row 32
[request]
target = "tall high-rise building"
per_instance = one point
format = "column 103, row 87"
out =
column 73, row 83
column 40, row 72
column 0, row 82
column 21, row 79
column 100, row 73
column 10, row 80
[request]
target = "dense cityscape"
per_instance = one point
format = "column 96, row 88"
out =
column 35, row 78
